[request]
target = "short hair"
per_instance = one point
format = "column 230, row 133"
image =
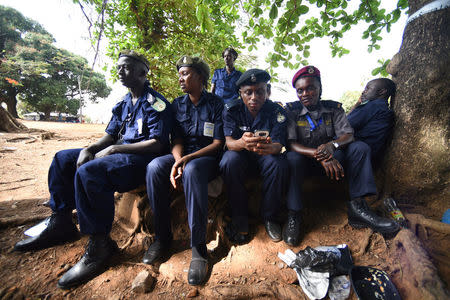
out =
column 390, row 87
column 232, row 51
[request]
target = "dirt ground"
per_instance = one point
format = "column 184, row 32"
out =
column 252, row 270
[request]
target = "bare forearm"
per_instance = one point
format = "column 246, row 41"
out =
column 144, row 147
column 210, row 150
column 345, row 139
column 299, row 148
column 234, row 145
column 102, row 143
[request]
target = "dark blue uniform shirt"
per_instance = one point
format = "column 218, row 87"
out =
column 226, row 84
column 372, row 123
column 272, row 117
column 150, row 118
column 198, row 125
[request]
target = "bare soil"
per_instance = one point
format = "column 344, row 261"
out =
column 238, row 272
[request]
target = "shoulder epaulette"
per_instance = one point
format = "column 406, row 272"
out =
column 331, row 103
column 293, row 105
column 233, row 103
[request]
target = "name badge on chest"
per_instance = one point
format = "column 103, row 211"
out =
column 139, row 124
column 208, row 129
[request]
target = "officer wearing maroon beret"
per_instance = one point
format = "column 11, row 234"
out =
column 320, row 140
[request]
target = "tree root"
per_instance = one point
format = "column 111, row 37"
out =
column 268, row 290
column 418, row 220
column 420, row 280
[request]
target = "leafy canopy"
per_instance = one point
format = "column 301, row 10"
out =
column 166, row 29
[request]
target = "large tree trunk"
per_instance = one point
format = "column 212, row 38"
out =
column 11, row 102
column 8, row 123
column 418, row 164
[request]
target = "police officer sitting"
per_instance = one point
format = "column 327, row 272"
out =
column 321, row 139
column 197, row 144
column 86, row 179
column 371, row 117
column 255, row 130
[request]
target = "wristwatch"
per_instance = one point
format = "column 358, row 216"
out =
column 335, row 145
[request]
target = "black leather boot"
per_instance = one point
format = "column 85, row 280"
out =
column 198, row 268
column 360, row 216
column 94, row 262
column 273, row 230
column 156, row 251
column 60, row 229
column 291, row 230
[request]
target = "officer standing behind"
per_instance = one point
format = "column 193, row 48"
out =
column 224, row 80
column 321, row 139
column 371, row 117
column 255, row 130
column 86, row 179
column 197, row 144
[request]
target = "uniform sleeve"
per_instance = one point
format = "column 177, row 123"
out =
column 177, row 132
column 341, row 124
column 359, row 117
column 218, row 121
column 291, row 127
column 230, row 127
column 159, row 124
column 214, row 78
column 115, row 123
column 278, row 133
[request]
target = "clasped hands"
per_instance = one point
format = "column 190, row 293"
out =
column 324, row 155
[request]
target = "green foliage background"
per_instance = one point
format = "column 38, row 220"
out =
column 44, row 77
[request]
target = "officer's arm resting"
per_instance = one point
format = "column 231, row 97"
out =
column 143, row 147
column 344, row 140
column 299, row 148
column 210, row 150
column 102, row 143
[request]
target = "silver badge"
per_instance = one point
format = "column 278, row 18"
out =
column 310, row 70
column 184, row 60
column 253, row 78
column 281, row 118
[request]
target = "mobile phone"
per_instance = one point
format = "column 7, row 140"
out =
column 261, row 133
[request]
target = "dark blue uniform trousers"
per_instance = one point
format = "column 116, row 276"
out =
column 90, row 188
column 355, row 159
column 236, row 166
column 196, row 175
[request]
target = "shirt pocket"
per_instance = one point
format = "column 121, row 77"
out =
column 184, row 122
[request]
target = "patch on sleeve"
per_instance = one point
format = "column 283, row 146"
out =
column 281, row 118
column 159, row 105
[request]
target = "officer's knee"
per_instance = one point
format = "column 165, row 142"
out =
column 231, row 160
column 154, row 167
column 191, row 169
column 359, row 147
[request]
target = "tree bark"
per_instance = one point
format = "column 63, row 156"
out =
column 11, row 102
column 417, row 165
column 8, row 123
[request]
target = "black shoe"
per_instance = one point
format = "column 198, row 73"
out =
column 59, row 229
column 155, row 252
column 198, row 269
column 291, row 230
column 273, row 230
column 360, row 216
column 235, row 236
column 94, row 262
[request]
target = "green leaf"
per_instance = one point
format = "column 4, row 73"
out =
column 302, row 9
column 273, row 14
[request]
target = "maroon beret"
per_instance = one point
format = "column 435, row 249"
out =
column 308, row 71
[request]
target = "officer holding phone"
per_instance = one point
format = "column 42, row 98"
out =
column 255, row 130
